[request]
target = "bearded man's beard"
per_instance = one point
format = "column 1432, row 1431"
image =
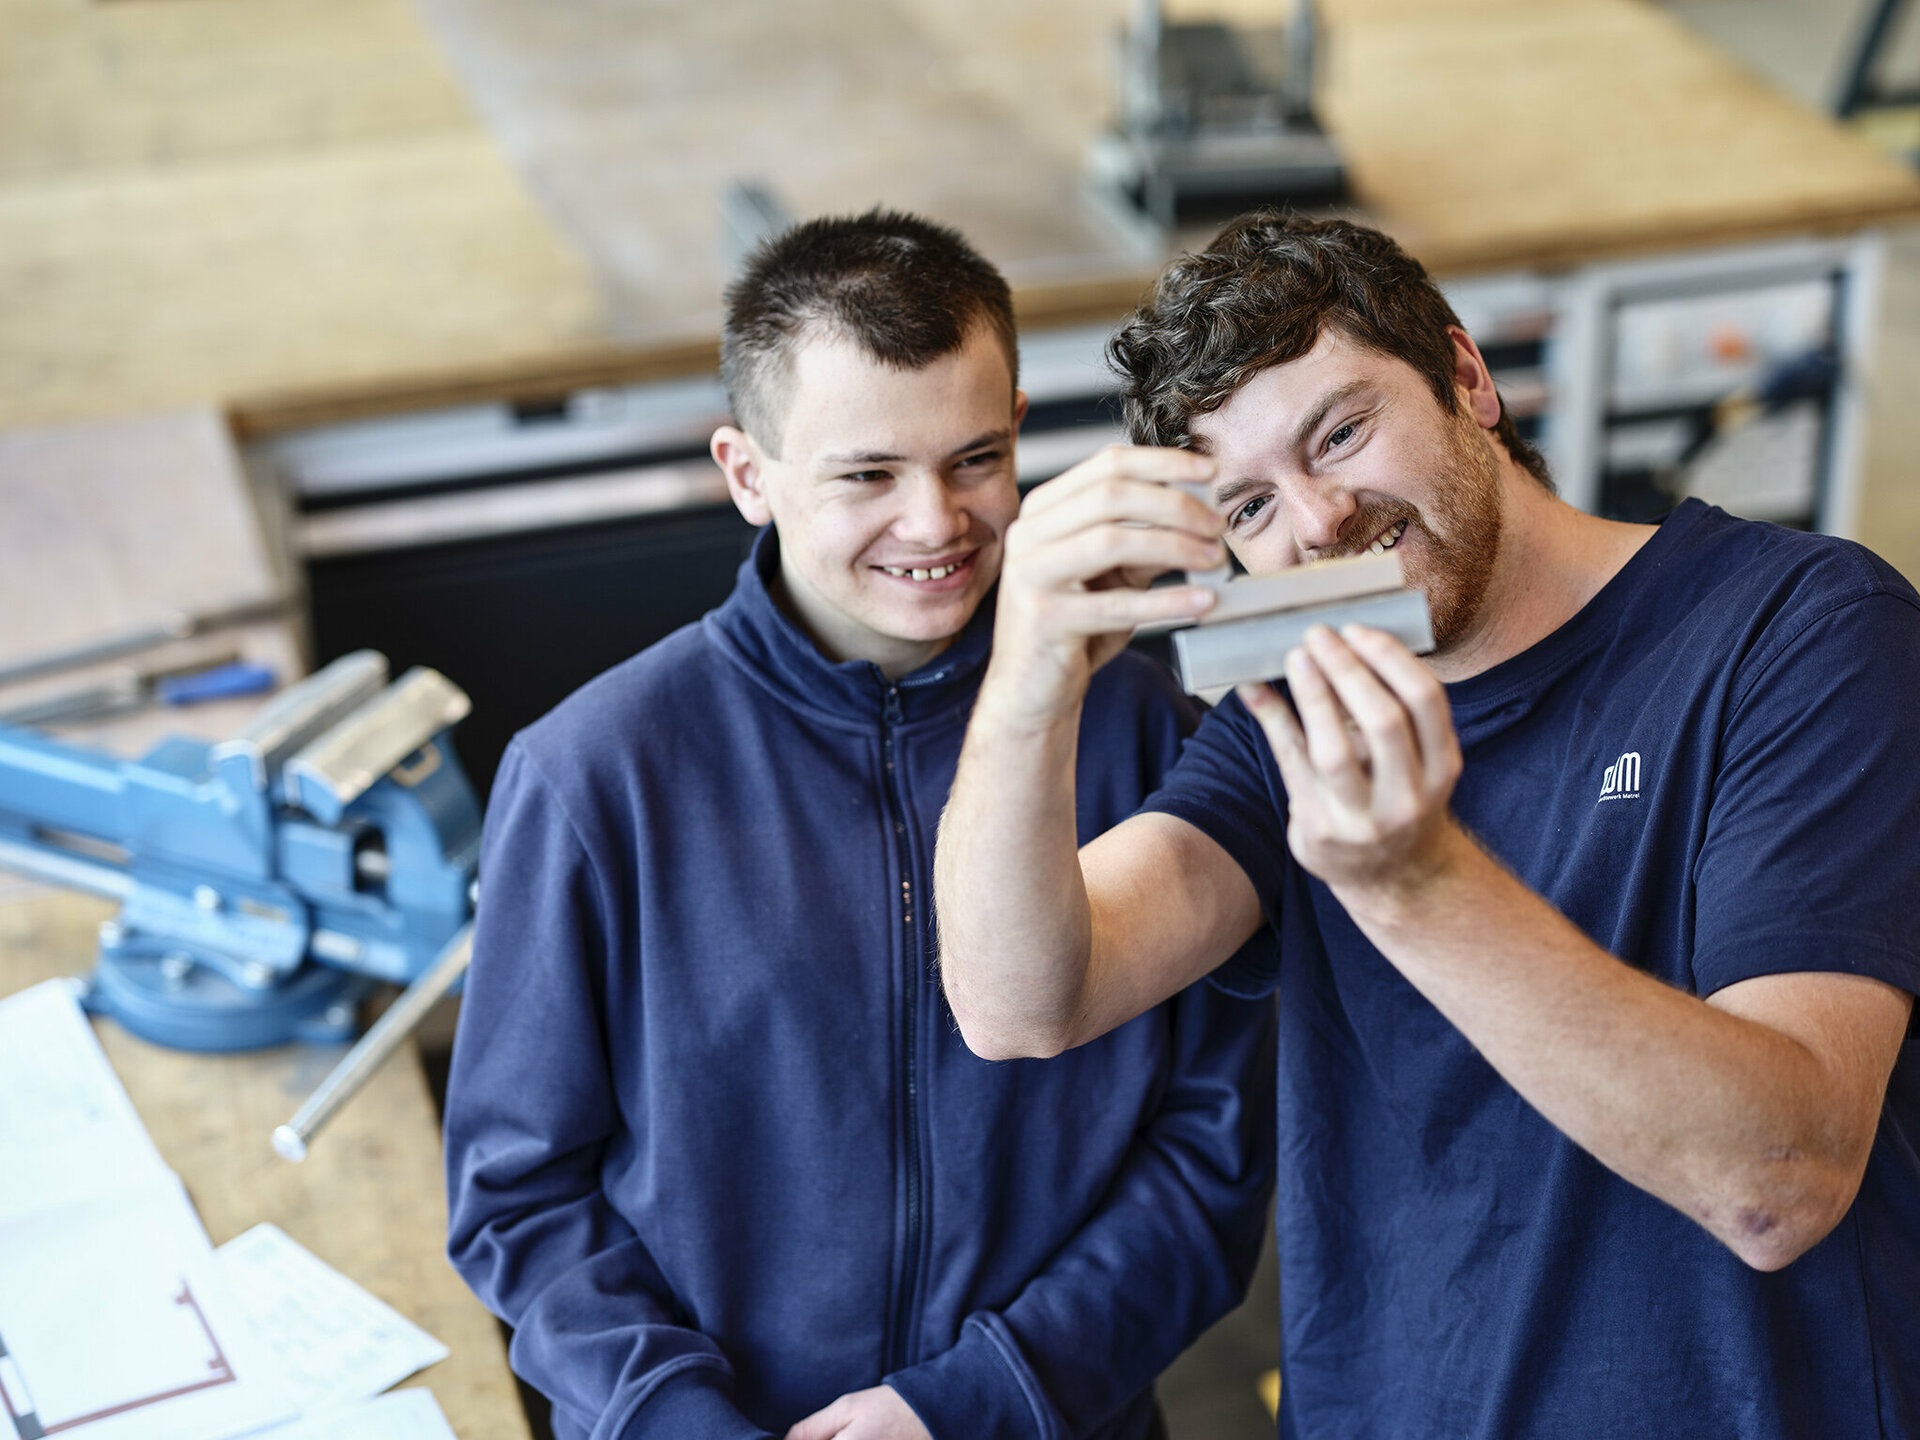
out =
column 1458, row 534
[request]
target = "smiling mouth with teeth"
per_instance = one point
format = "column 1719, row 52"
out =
column 1387, row 541
column 937, row 572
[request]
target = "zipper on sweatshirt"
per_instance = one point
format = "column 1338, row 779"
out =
column 898, row 1356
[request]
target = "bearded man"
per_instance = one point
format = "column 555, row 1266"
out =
column 1593, row 931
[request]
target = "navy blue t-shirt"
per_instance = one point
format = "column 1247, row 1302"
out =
column 1714, row 771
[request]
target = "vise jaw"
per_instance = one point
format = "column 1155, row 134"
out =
column 268, row 880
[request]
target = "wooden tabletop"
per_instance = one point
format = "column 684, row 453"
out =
column 214, row 198
column 1495, row 133
column 368, row 1200
column 291, row 210
column 108, row 528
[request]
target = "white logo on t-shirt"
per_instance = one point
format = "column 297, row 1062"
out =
column 1622, row 780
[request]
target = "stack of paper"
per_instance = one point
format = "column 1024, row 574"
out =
column 115, row 1322
column 118, row 1321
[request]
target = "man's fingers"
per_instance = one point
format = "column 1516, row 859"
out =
column 821, row 1425
column 1289, row 744
column 1421, row 692
column 1088, row 555
column 1091, row 612
column 1282, row 726
column 1392, row 745
column 1323, row 720
column 1160, row 465
column 1114, row 501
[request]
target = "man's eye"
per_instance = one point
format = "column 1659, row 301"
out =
column 1252, row 508
column 979, row 458
column 1342, row 435
column 867, row 476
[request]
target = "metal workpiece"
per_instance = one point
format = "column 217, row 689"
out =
column 1325, row 582
column 1214, row 658
column 1259, row 618
column 339, row 766
column 386, row 1035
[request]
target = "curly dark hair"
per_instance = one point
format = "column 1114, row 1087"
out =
column 905, row 290
column 1259, row 296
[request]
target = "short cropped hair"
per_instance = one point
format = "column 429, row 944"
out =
column 1259, row 296
column 906, row 290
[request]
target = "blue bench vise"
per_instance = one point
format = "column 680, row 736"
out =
column 268, row 881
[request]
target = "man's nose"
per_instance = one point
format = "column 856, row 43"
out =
column 932, row 516
column 1318, row 514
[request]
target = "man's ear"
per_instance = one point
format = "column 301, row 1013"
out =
column 1474, row 381
column 1019, row 408
column 739, row 460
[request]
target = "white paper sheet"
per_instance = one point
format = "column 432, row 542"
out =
column 68, row 1133
column 404, row 1415
column 332, row 1342
column 119, row 1327
column 115, row 1322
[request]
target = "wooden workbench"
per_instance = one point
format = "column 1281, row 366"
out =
column 289, row 208
column 1544, row 133
column 106, row 528
column 214, row 198
column 368, row 1200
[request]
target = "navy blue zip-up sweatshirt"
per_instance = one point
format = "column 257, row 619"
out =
column 715, row 1147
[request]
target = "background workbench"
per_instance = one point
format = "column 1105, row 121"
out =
column 269, row 206
column 368, row 1200
column 109, row 527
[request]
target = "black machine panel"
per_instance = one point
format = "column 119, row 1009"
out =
column 521, row 621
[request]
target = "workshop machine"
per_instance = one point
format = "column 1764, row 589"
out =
column 266, row 882
column 1216, row 119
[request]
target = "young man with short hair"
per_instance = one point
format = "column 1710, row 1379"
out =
column 716, row 1150
column 1594, row 934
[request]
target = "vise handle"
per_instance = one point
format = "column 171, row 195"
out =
column 383, row 1037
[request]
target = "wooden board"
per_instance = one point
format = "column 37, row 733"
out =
column 112, row 527
column 210, row 198
column 1588, row 129
column 86, row 85
column 1495, row 133
column 283, row 206
column 369, row 1200
column 109, row 526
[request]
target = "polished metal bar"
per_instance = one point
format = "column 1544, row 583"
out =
column 292, row 1139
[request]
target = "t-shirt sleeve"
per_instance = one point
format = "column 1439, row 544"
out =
column 1227, row 785
column 1811, row 857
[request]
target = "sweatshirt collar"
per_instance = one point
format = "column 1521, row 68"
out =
column 766, row 639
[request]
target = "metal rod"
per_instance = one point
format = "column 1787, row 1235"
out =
column 1857, row 89
column 126, row 689
column 291, row 1140
column 73, row 871
column 169, row 628
column 753, row 213
column 1296, row 91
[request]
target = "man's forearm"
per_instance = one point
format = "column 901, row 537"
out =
column 1015, row 932
column 1730, row 1120
column 1017, row 936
